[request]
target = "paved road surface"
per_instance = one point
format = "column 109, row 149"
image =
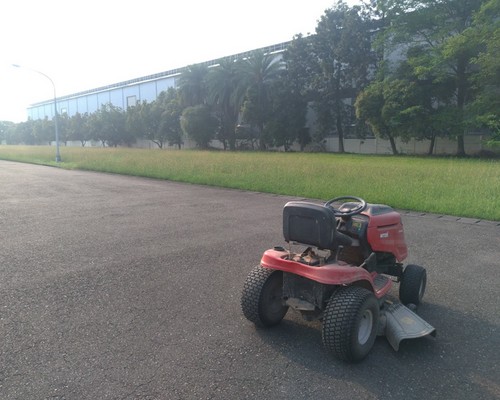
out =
column 116, row 287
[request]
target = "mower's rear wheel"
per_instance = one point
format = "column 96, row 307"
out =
column 350, row 323
column 262, row 297
column 412, row 286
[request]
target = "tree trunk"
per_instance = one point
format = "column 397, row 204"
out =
column 393, row 144
column 232, row 138
column 231, row 132
column 460, row 145
column 262, row 143
column 431, row 145
column 340, row 132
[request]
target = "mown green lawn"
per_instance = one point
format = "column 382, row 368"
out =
column 461, row 187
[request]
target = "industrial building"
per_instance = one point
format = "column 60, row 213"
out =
column 125, row 94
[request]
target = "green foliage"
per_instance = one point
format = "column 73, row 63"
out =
column 343, row 57
column 226, row 92
column 199, row 124
column 170, row 125
column 5, row 127
column 64, row 124
column 288, row 115
column 258, row 72
column 109, row 126
column 371, row 107
column 24, row 132
column 299, row 66
column 78, row 128
column 192, row 85
column 437, row 31
column 143, row 120
column 485, row 31
column 413, row 103
column 43, row 131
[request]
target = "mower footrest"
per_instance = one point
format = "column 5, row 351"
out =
column 380, row 282
column 400, row 323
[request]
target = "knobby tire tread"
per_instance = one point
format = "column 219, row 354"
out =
column 340, row 318
column 251, row 294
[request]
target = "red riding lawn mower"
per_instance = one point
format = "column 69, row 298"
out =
column 350, row 256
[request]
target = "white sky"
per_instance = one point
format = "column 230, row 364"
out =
column 84, row 45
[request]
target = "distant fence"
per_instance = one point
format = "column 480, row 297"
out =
column 474, row 144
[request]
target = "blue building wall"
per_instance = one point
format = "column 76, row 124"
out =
column 89, row 101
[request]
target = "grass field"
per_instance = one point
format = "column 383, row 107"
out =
column 460, row 187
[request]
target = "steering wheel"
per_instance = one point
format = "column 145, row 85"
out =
column 350, row 205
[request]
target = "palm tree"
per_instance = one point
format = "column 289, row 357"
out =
column 192, row 85
column 259, row 71
column 225, row 94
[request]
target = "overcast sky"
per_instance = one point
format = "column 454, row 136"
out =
column 86, row 44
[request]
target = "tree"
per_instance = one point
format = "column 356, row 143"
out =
column 43, row 131
column 4, row 128
column 343, row 51
column 438, row 27
column 6, row 132
column 288, row 108
column 414, row 104
column 192, row 85
column 427, row 111
column 94, row 125
column 170, row 126
column 144, row 121
column 23, row 132
column 258, row 72
column 108, row 125
column 78, row 128
column 63, row 124
column 199, row 124
column 485, row 32
column 286, row 124
column 370, row 108
column 225, row 95
column 302, row 66
column 300, row 72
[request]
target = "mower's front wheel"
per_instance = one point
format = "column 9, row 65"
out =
column 350, row 323
column 412, row 286
column 262, row 297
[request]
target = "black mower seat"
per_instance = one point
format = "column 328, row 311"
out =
column 312, row 224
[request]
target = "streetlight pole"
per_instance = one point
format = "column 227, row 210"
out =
column 58, row 155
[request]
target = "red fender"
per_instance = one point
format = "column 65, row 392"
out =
column 338, row 273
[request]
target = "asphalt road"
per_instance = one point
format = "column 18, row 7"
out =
column 115, row 287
